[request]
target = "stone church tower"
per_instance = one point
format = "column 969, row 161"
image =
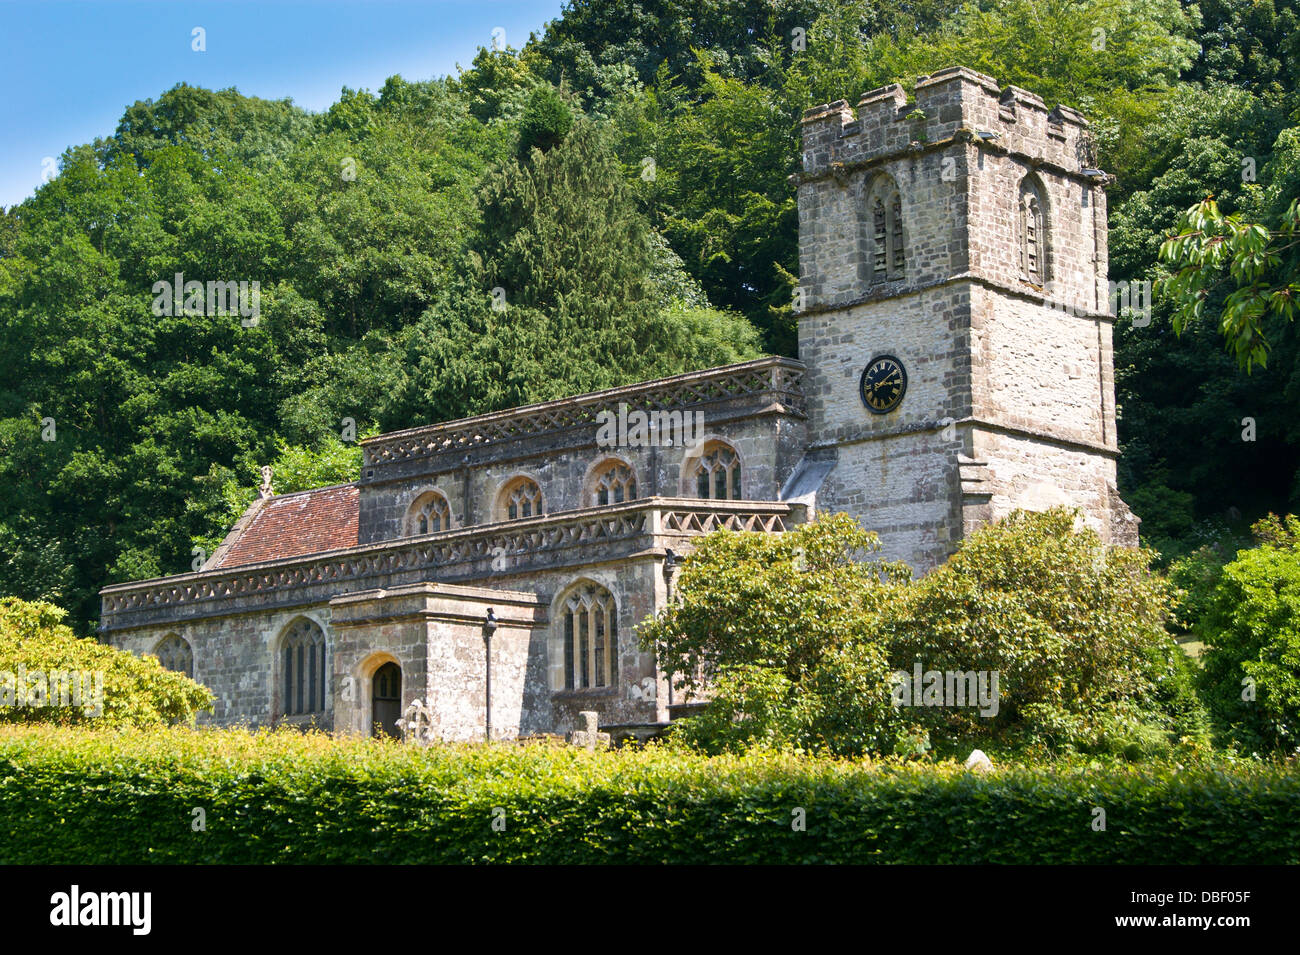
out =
column 954, row 314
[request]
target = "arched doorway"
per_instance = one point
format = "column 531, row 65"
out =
column 386, row 700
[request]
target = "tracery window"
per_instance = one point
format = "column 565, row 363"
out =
column 717, row 473
column 590, row 638
column 175, row 654
column 302, row 669
column 614, row 483
column 521, row 498
column 430, row 514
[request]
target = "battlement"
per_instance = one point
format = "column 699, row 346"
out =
column 952, row 104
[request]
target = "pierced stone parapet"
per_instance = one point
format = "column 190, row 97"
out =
column 769, row 380
column 476, row 553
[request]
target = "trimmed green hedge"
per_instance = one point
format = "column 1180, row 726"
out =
column 82, row 796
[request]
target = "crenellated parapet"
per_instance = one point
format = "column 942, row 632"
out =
column 952, row 104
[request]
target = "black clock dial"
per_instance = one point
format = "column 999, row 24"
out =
column 884, row 381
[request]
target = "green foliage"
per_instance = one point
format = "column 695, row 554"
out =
column 799, row 641
column 1075, row 630
column 776, row 628
column 127, row 690
column 1251, row 628
column 290, row 798
column 546, row 120
column 497, row 84
column 1262, row 263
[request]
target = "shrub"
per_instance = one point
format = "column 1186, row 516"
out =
column 1251, row 628
column 776, row 629
column 112, row 687
column 129, row 797
column 797, row 637
column 1075, row 631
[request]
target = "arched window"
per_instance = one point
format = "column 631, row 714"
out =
column 885, row 223
column 717, row 473
column 302, row 669
column 1033, row 231
column 521, row 498
column 589, row 637
column 175, row 654
column 430, row 514
column 613, row 483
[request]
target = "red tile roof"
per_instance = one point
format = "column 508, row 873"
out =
column 294, row 525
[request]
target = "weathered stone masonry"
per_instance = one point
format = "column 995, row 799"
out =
column 963, row 234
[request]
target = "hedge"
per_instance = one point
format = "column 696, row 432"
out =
column 87, row 796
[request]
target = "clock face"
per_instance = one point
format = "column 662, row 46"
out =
column 884, row 381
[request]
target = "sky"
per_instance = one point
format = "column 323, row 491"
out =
column 71, row 67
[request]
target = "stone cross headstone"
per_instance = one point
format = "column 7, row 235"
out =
column 589, row 737
column 416, row 723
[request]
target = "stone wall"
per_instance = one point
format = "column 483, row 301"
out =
column 437, row 634
column 435, row 630
column 235, row 657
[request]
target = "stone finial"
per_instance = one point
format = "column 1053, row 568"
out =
column 978, row 762
column 589, row 737
column 266, row 490
column 416, row 723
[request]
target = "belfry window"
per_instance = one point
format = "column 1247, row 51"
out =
column 1033, row 233
column 888, row 257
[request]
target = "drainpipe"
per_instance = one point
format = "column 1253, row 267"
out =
column 489, row 627
column 670, row 569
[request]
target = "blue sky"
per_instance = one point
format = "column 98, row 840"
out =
column 70, row 67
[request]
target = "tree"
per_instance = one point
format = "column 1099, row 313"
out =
column 804, row 640
column 1262, row 263
column 91, row 683
column 1251, row 629
column 1075, row 630
column 777, row 631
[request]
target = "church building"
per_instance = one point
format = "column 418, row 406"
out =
column 954, row 364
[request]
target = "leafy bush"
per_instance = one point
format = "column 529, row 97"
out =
column 109, row 687
column 776, row 629
column 1251, row 628
column 796, row 639
column 130, row 797
column 1075, row 631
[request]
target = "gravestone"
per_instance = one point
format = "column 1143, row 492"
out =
column 589, row 737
